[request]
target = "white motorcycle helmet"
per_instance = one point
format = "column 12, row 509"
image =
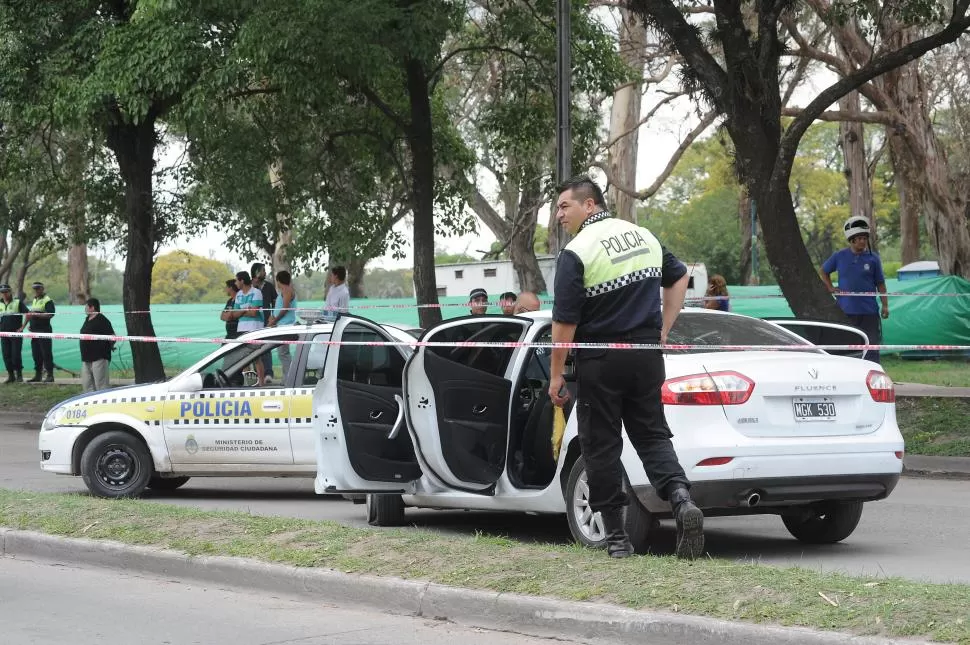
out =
column 856, row 225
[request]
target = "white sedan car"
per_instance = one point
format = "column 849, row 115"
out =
column 802, row 434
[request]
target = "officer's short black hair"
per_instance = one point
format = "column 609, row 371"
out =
column 340, row 272
column 246, row 280
column 94, row 303
column 508, row 295
column 284, row 277
column 583, row 188
column 256, row 268
column 232, row 285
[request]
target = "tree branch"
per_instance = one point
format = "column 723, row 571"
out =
column 609, row 144
column 650, row 191
column 388, row 111
column 958, row 24
column 882, row 118
column 688, row 43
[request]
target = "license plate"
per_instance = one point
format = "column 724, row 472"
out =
column 822, row 409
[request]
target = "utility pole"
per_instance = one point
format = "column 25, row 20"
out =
column 564, row 144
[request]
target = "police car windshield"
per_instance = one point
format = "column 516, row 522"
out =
column 699, row 328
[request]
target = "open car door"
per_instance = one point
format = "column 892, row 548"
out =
column 819, row 332
column 362, row 444
column 459, row 401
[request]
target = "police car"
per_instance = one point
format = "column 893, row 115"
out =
column 205, row 422
column 803, row 434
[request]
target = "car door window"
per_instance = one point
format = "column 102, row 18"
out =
column 492, row 360
column 369, row 364
column 316, row 359
column 234, row 369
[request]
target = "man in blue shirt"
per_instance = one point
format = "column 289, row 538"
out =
column 860, row 270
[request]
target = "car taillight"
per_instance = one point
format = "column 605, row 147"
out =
column 716, row 388
column 881, row 387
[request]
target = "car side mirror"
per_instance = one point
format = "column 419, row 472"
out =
column 187, row 383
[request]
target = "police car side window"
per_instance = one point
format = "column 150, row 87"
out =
column 315, row 360
column 492, row 360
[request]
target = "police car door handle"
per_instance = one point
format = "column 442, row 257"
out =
column 272, row 406
column 479, row 410
column 400, row 417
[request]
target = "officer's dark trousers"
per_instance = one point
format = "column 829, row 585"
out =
column 615, row 385
column 871, row 324
column 13, row 354
column 43, row 351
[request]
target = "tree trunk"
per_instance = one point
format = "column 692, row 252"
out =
column 625, row 116
column 134, row 149
column 852, row 139
column 521, row 250
column 558, row 238
column 421, row 143
column 744, row 220
column 78, row 278
column 24, row 267
column 355, row 275
column 280, row 257
column 910, row 201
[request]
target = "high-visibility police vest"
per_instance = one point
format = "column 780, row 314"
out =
column 39, row 305
column 622, row 265
column 11, row 319
column 10, row 307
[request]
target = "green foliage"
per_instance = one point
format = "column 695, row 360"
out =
column 181, row 277
column 106, row 280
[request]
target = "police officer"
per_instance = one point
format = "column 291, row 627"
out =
column 39, row 320
column 607, row 289
column 11, row 309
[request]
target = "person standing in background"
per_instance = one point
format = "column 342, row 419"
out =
column 249, row 311
column 96, row 354
column 11, row 309
column 284, row 314
column 717, row 286
column 39, row 321
column 338, row 296
column 232, row 322
column 268, row 290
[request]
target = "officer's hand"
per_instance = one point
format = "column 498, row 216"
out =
column 885, row 312
column 557, row 391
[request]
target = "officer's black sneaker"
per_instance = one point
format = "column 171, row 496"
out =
column 11, row 377
column 19, row 376
column 618, row 543
column 690, row 524
column 37, row 378
column 49, row 378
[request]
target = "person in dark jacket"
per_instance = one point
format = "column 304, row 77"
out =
column 12, row 319
column 95, row 354
column 232, row 324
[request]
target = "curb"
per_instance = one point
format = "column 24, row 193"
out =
column 533, row 616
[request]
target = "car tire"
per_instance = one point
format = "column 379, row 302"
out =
column 587, row 527
column 115, row 465
column 166, row 483
column 356, row 498
column 826, row 523
column 385, row 510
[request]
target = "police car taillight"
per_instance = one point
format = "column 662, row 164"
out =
column 716, row 388
column 881, row 387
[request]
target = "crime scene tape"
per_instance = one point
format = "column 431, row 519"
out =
column 473, row 344
column 305, row 312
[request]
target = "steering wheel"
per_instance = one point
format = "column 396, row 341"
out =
column 220, row 379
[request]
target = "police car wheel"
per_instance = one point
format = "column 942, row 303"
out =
column 159, row 483
column 116, row 464
column 385, row 510
column 825, row 523
column 587, row 526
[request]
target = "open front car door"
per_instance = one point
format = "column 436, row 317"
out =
column 459, row 401
column 362, row 443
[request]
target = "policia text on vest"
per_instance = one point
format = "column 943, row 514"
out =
column 39, row 320
column 11, row 319
column 608, row 288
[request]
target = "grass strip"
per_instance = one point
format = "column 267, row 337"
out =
column 710, row 587
column 935, row 426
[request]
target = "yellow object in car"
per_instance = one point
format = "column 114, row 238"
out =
column 558, row 429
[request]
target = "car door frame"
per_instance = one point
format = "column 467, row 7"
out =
column 335, row 471
column 781, row 322
column 427, row 438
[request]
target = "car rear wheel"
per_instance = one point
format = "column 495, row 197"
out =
column 116, row 464
column 587, row 526
column 166, row 483
column 385, row 510
column 825, row 523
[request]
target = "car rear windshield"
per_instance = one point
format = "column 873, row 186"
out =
column 698, row 328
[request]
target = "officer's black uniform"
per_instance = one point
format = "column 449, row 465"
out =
column 42, row 348
column 13, row 347
column 608, row 281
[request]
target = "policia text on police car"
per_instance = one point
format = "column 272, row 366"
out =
column 607, row 289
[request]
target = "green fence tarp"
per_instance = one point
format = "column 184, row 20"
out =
column 914, row 320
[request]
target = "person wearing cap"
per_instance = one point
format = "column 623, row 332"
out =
column 478, row 299
column 39, row 322
column 860, row 270
column 11, row 309
column 95, row 354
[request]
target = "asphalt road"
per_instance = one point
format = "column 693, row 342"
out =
column 919, row 532
column 44, row 603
